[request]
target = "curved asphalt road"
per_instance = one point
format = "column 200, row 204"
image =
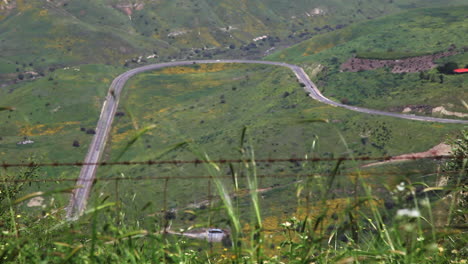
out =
column 87, row 175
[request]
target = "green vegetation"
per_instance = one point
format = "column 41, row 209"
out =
column 389, row 55
column 52, row 87
column 208, row 105
column 388, row 38
column 112, row 31
column 404, row 222
column 403, row 33
column 51, row 112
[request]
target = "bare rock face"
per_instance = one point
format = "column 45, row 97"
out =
column 428, row 110
column 407, row 110
column 6, row 6
column 128, row 8
column 440, row 110
column 413, row 64
column 422, row 109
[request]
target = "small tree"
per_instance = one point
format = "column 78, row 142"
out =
column 344, row 100
column 448, row 68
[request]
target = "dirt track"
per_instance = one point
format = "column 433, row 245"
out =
column 440, row 150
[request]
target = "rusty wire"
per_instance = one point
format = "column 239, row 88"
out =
column 221, row 161
column 190, row 177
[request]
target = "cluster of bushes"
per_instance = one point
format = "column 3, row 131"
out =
column 449, row 67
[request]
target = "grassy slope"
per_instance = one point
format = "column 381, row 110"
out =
column 65, row 32
column 61, row 34
column 55, row 36
column 265, row 119
column 51, row 113
column 178, row 100
column 258, row 17
column 404, row 33
column 271, row 122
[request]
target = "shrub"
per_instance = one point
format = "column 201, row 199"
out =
column 344, row 100
column 448, row 68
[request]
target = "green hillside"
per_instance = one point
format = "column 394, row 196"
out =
column 58, row 58
column 413, row 33
column 61, row 101
column 209, row 105
column 110, row 31
column 67, row 33
column 61, row 34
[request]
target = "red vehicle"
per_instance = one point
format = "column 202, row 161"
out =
column 460, row 71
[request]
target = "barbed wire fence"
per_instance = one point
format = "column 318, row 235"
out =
column 223, row 161
column 164, row 178
column 211, row 196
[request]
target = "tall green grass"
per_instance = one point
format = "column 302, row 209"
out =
column 326, row 228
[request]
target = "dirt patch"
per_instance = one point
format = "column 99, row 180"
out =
column 413, row 64
column 177, row 33
column 422, row 109
column 36, row 202
column 440, row 150
column 440, row 110
column 427, row 110
column 129, row 8
column 407, row 110
column 6, row 7
column 7, row 4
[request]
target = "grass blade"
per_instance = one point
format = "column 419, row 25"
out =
column 134, row 139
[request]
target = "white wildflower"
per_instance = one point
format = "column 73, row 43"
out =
column 408, row 212
column 401, row 187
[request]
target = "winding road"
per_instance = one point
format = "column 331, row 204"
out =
column 87, row 175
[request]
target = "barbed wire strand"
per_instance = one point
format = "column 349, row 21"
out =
column 190, row 177
column 222, row 161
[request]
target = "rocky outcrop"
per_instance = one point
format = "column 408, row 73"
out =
column 6, row 6
column 413, row 64
column 423, row 109
column 440, row 110
column 128, row 8
column 428, row 110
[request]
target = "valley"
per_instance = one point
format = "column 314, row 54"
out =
column 275, row 131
